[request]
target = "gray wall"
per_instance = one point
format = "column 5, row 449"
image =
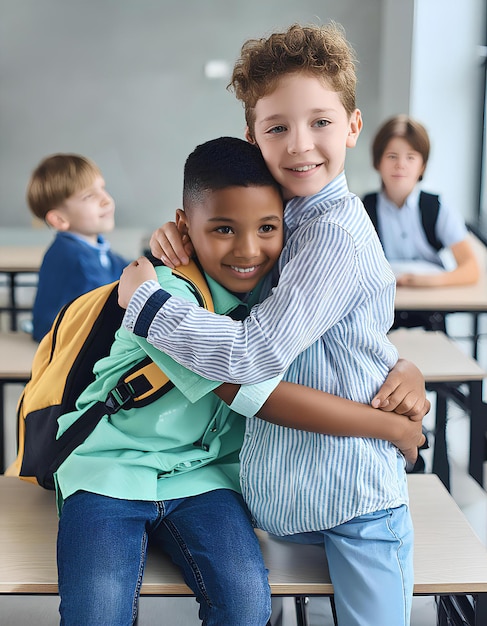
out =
column 122, row 82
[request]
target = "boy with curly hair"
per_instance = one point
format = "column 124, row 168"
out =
column 324, row 324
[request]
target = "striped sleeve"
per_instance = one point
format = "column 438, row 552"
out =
column 305, row 304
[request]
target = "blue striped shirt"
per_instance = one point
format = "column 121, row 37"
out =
column 325, row 325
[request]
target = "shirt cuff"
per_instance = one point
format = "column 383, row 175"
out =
column 250, row 398
column 144, row 304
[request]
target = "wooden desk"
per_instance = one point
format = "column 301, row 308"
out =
column 16, row 260
column 449, row 558
column 468, row 299
column 444, row 367
column 16, row 354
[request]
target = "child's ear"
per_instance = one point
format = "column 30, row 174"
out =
column 57, row 220
column 355, row 126
column 248, row 135
column 182, row 221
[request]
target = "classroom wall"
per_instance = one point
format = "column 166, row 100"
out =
column 123, row 82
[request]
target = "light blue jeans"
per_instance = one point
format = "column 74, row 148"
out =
column 102, row 545
column 370, row 559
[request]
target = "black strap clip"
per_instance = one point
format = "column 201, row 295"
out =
column 119, row 397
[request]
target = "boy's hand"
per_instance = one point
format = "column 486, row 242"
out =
column 403, row 392
column 132, row 277
column 418, row 280
column 410, row 438
column 169, row 245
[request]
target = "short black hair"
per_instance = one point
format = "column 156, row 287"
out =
column 221, row 163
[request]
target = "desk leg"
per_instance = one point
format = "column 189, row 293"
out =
column 301, row 613
column 441, row 466
column 478, row 432
column 13, row 302
column 456, row 611
column 475, row 334
column 481, row 609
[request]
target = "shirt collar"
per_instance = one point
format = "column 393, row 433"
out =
column 225, row 301
column 411, row 201
column 298, row 209
column 102, row 244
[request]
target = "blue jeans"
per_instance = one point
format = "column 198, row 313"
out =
column 102, row 545
column 370, row 559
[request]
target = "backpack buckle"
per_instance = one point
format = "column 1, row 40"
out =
column 119, row 397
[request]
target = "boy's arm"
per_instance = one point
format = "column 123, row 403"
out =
column 330, row 415
column 466, row 272
column 303, row 306
column 324, row 413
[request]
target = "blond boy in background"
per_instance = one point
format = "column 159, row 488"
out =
column 67, row 192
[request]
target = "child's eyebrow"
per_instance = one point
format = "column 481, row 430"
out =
column 230, row 220
column 271, row 218
column 317, row 111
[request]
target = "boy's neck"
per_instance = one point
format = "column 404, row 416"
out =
column 397, row 199
column 91, row 239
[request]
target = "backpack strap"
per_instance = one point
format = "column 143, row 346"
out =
column 429, row 205
column 370, row 204
column 142, row 384
column 193, row 275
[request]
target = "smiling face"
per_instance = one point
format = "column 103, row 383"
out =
column 400, row 168
column 237, row 234
column 303, row 131
column 88, row 212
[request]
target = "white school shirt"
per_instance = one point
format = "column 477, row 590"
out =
column 325, row 323
column 402, row 233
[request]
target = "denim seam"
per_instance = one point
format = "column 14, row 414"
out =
column 143, row 553
column 191, row 562
column 399, row 562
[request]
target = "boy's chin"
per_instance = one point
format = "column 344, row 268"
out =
column 239, row 288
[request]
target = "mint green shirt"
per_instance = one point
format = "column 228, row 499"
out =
column 185, row 443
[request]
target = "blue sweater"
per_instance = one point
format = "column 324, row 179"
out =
column 71, row 267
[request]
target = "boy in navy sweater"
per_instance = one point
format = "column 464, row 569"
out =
column 67, row 191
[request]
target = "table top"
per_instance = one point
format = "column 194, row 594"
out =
column 17, row 351
column 438, row 357
column 21, row 258
column 460, row 299
column 22, row 250
column 449, row 557
column 469, row 298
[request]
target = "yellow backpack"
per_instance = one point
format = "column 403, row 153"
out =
column 82, row 333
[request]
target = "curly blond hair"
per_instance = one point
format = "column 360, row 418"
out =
column 321, row 51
